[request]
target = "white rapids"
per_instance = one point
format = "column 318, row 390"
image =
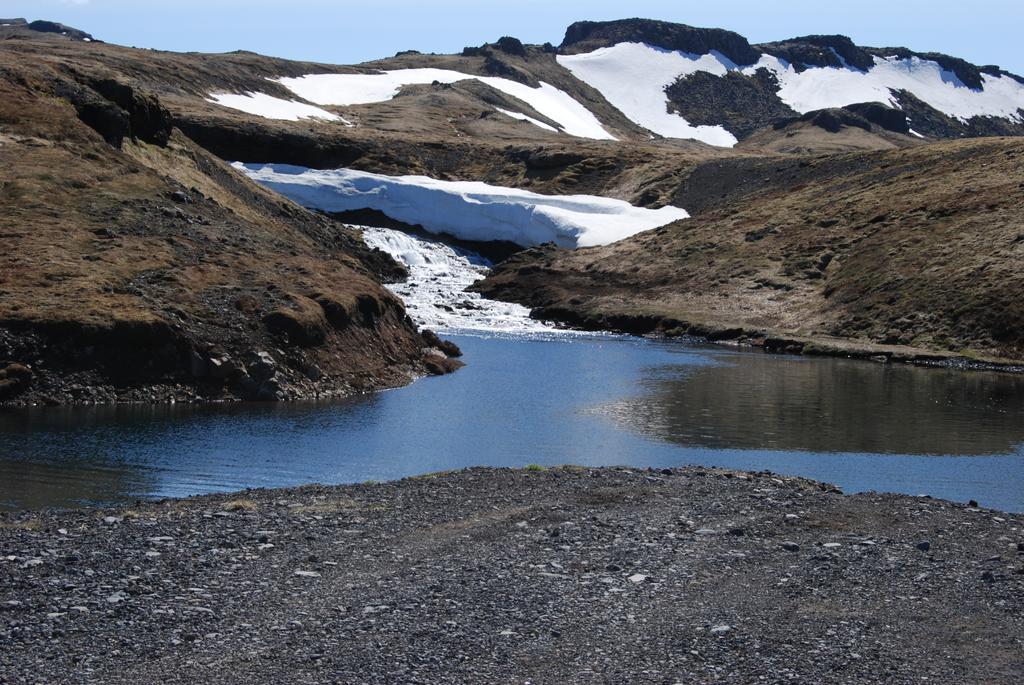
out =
column 435, row 293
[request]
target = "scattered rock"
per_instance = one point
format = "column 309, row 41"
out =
column 458, row 575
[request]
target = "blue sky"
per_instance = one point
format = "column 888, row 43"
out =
column 344, row 31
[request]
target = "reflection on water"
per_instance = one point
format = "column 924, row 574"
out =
column 759, row 401
column 591, row 401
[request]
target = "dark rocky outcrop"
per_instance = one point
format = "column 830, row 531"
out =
column 511, row 46
column 506, row 44
column 431, row 339
column 831, row 120
column 820, row 51
column 494, row 65
column 740, row 103
column 889, row 118
column 14, row 379
column 584, row 36
column 930, row 122
column 117, row 111
column 60, row 29
column 148, row 120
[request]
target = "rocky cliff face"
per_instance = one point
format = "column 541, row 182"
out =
column 585, row 36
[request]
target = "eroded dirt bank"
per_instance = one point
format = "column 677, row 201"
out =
column 487, row 576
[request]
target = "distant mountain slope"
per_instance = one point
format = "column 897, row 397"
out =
column 712, row 85
column 623, row 80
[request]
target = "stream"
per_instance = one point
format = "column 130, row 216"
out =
column 531, row 394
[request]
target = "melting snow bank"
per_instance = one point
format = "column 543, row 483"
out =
column 466, row 209
column 435, row 293
column 361, row 89
column 270, row 107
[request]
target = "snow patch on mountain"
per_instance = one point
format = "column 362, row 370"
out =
column 633, row 78
column 824, row 87
column 360, row 89
column 269, row 107
column 466, row 209
column 524, row 117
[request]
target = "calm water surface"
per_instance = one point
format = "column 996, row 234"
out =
column 575, row 399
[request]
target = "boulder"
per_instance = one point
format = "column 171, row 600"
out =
column 262, row 367
column 432, row 340
column 14, row 379
column 438, row 365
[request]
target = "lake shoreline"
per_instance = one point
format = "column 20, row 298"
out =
column 658, row 326
column 493, row 575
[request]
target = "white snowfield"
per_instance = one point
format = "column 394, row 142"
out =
column 361, row 89
column 524, row 117
column 633, row 78
column 818, row 88
column 466, row 209
column 270, row 107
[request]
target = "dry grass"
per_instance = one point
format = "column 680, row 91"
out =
column 244, row 505
column 916, row 247
column 27, row 525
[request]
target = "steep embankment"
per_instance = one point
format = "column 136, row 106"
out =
column 914, row 248
column 138, row 266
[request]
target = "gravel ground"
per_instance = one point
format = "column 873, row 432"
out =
column 500, row 576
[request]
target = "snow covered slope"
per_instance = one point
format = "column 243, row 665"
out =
column 359, row 89
column 822, row 87
column 466, row 210
column 270, row 107
column 633, row 78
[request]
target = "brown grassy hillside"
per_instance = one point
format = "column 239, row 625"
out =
column 145, row 268
column 918, row 247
